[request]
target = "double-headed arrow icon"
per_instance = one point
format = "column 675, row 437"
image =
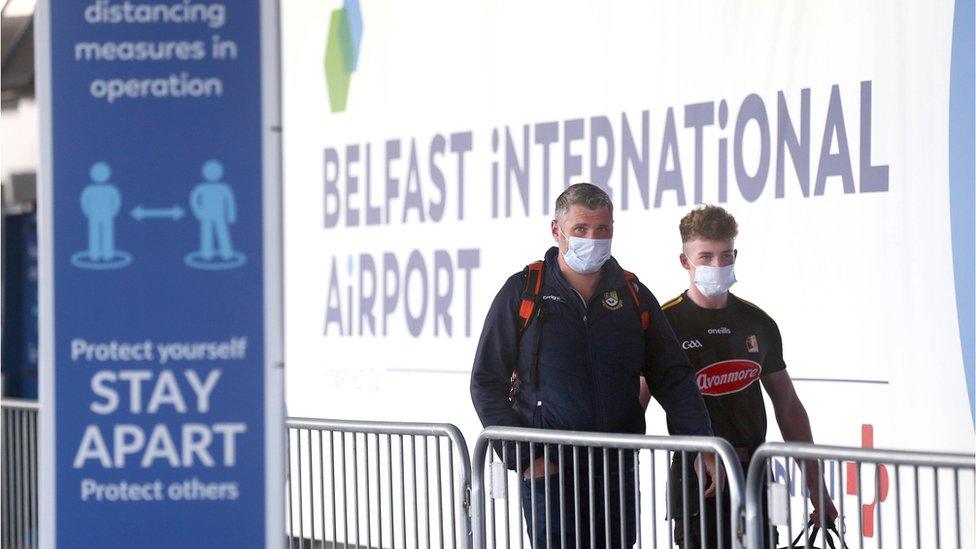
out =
column 140, row 213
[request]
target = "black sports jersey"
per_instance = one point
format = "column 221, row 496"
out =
column 730, row 349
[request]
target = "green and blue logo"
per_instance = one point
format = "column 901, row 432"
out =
column 342, row 52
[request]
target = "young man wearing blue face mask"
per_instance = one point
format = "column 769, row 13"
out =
column 731, row 344
column 565, row 346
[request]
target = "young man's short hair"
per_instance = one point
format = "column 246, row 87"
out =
column 708, row 223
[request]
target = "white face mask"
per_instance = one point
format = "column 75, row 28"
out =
column 586, row 255
column 713, row 281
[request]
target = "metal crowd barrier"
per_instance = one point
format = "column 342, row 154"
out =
column 18, row 461
column 901, row 499
column 377, row 484
column 588, row 461
column 401, row 485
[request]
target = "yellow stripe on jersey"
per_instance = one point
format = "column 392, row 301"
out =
column 672, row 303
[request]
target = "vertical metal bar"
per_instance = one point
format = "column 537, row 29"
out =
column 654, row 503
column 31, row 416
column 322, row 484
column 637, row 502
column 5, row 525
column 14, row 464
column 440, row 492
column 770, row 479
column 311, row 491
column 806, row 505
column 426, row 490
column 789, row 497
column 684, row 498
column 403, row 492
column 413, row 483
column 545, row 482
column 719, row 484
column 518, row 489
column 606, row 497
column 820, row 497
column 955, row 482
column 667, row 500
column 592, row 498
column 379, row 494
column 938, row 521
column 535, row 522
column 700, row 473
column 301, row 512
column 576, row 497
column 860, row 508
column 11, row 508
column 562, row 499
column 8, row 492
column 877, row 502
column 450, row 478
column 369, row 515
column 897, row 505
column 355, row 487
column 345, row 492
column 332, row 469
column 620, row 492
column 25, row 479
column 389, row 475
column 291, row 490
column 842, row 490
column 19, row 449
column 508, row 536
column 14, row 508
column 918, row 513
column 490, row 497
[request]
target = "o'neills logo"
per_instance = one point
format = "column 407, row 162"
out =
column 728, row 376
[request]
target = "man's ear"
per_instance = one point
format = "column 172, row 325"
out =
column 554, row 229
column 683, row 259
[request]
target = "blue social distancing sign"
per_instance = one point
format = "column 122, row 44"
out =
column 157, row 331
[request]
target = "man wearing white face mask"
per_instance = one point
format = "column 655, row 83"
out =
column 732, row 344
column 565, row 346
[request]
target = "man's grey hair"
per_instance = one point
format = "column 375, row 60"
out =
column 587, row 195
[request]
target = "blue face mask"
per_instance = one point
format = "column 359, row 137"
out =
column 586, row 255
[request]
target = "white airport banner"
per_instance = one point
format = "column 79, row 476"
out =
column 425, row 143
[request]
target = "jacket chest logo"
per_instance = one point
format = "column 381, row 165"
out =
column 611, row 301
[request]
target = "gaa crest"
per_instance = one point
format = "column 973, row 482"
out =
column 612, row 301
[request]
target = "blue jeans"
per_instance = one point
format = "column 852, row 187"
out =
column 561, row 526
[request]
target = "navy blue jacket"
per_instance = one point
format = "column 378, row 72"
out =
column 590, row 361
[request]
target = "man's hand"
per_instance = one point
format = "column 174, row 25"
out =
column 542, row 468
column 829, row 511
column 711, row 468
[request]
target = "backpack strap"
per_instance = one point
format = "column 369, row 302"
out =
column 633, row 287
column 531, row 293
column 528, row 309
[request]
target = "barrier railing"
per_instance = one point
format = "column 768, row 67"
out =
column 386, row 484
column 378, row 484
column 604, row 508
column 18, row 462
column 902, row 499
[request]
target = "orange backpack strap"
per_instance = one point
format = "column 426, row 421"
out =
column 531, row 293
column 531, row 297
column 633, row 286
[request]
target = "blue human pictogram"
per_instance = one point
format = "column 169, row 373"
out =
column 101, row 202
column 212, row 202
